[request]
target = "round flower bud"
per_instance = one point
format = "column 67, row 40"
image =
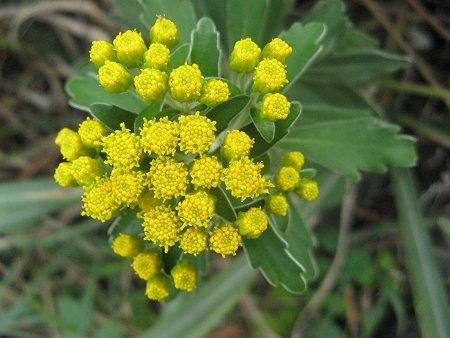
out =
column 269, row 76
column 160, row 137
column 184, row 275
column 167, row 178
column 127, row 245
column 130, row 48
column 214, row 92
column 102, row 51
column 251, row 223
column 287, row 179
column 127, row 185
column 294, row 159
column 147, row 264
column 277, row 204
column 151, row 84
column 194, row 241
column 244, row 56
column 236, row 144
column 91, row 132
column 275, row 107
column 185, row 83
column 70, row 144
column 307, row 190
column 244, row 180
column 196, row 133
column 64, row 175
column 225, row 240
column 157, row 56
column 276, row 49
column 157, row 288
column 197, row 209
column 98, row 202
column 86, row 169
column 205, row 172
column 164, row 31
column 114, row 77
column 161, row 226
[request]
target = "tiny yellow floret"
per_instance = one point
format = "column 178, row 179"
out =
column 184, row 275
column 225, row 240
column 114, row 77
column 167, row 178
column 251, row 223
column 126, row 245
column 102, row 51
column 86, row 169
column 147, row 264
column 194, row 241
column 307, row 190
column 205, row 172
column 294, row 159
column 287, row 179
column 162, row 226
column 70, row 144
column 196, row 133
column 64, row 175
column 91, row 132
column 214, row 92
column 185, row 83
column 164, row 31
column 197, row 209
column 276, row 49
column 269, row 76
column 274, row 107
column 130, row 48
column 277, row 204
column 236, row 144
column 151, row 84
column 98, row 202
column 244, row 56
column 160, row 137
column 127, row 185
column 157, row 56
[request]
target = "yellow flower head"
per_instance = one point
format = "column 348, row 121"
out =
column 243, row 178
column 160, row 137
column 251, row 223
column 214, row 92
column 269, row 76
column 294, row 159
column 123, row 148
column 127, row 245
column 114, row 77
column 277, row 204
column 276, row 49
column 157, row 288
column 197, row 209
column 167, row 178
column 151, row 84
column 184, row 275
column 130, row 48
column 98, row 202
column 185, row 83
column 86, row 169
column 127, row 185
column 102, row 51
column 225, row 240
column 205, row 172
column 70, row 144
column 245, row 56
column 157, row 56
column 64, row 175
column 307, row 189
column 237, row 144
column 196, row 133
column 194, row 241
column 164, row 31
column 161, row 226
column 275, row 107
column 287, row 179
column 91, row 132
column 147, row 264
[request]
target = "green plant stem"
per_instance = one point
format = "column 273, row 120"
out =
column 411, row 88
column 426, row 283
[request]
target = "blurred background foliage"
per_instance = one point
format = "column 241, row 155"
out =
column 59, row 278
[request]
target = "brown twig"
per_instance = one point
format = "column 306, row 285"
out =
column 441, row 30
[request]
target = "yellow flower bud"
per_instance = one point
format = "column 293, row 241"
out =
column 244, row 56
column 127, row 185
column 194, row 241
column 294, row 159
column 214, row 92
column 269, row 76
column 127, row 245
column 287, row 179
column 251, row 223
column 157, row 56
column 277, row 204
column 147, row 264
column 102, row 51
column 151, row 84
column 236, row 144
column 205, row 172
column 276, row 49
column 308, row 190
column 130, row 47
column 185, row 83
column 197, row 209
column 157, row 288
column 86, row 169
column 162, row 226
column 164, row 31
column 196, row 133
column 275, row 107
column 64, row 175
column 225, row 240
column 114, row 77
column 160, row 137
column 91, row 132
column 70, row 144
column 184, row 275
column 98, row 202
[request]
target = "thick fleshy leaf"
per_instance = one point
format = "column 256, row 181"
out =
column 225, row 112
column 208, row 303
column 206, row 38
column 349, row 143
column 178, row 57
column 85, row 91
column 179, row 11
column 306, row 48
column 112, row 116
column 265, row 127
column 268, row 254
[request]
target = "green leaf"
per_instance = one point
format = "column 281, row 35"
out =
column 277, row 12
column 85, row 91
column 208, row 303
column 178, row 57
column 112, row 116
column 224, row 208
column 179, row 11
column 152, row 111
column 281, row 130
column 126, row 222
column 308, row 173
column 353, row 41
column 346, row 145
column 305, row 44
column 268, row 254
column 226, row 111
column 205, row 50
column 265, row 127
column 128, row 13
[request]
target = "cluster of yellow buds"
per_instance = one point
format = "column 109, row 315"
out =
column 171, row 169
